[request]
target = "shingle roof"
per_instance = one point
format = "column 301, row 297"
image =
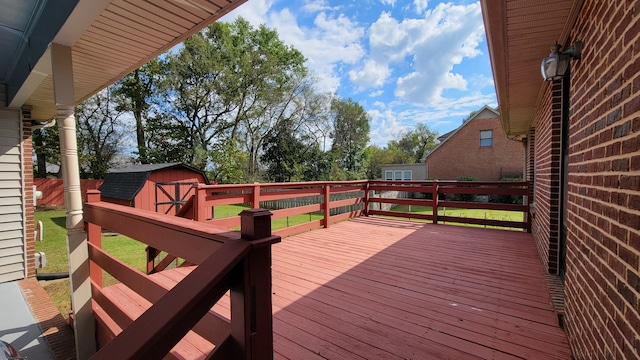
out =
column 125, row 183
column 146, row 168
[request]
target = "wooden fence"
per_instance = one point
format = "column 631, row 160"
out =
column 53, row 190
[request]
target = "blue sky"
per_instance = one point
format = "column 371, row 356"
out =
column 404, row 61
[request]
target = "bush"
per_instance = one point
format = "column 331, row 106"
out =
column 508, row 199
column 465, row 197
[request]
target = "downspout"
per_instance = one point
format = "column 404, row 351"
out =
column 36, row 125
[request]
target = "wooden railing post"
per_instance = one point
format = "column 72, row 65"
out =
column 199, row 210
column 436, row 197
column 94, row 236
column 255, row 200
column 366, row 198
column 251, row 313
column 326, row 205
column 526, row 201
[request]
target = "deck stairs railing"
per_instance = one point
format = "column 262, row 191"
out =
column 238, row 262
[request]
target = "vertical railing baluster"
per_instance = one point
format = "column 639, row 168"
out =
column 326, row 206
column 435, row 195
column 94, row 237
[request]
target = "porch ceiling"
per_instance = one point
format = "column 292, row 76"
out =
column 520, row 34
column 111, row 38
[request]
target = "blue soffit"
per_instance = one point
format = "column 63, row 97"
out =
column 27, row 27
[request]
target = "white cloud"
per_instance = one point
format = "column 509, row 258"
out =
column 314, row 6
column 376, row 93
column 372, row 75
column 255, row 12
column 430, row 46
column 384, row 126
column 391, row 3
column 334, row 39
column 421, row 5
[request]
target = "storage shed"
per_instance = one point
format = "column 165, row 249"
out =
column 162, row 188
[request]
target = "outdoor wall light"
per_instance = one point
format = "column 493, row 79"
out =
column 555, row 65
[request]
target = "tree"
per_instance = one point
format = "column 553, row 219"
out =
column 229, row 163
column 350, row 136
column 46, row 145
column 416, row 143
column 100, row 134
column 134, row 93
column 230, row 81
column 380, row 156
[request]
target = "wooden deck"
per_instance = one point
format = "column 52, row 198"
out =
column 374, row 288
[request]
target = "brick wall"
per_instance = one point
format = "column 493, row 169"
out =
column 27, row 175
column 461, row 154
column 602, row 288
column 546, row 177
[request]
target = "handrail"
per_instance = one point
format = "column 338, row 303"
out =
column 209, row 196
column 239, row 262
column 160, row 328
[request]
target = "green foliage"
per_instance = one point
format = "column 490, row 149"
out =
column 350, row 136
column 465, row 197
column 100, row 134
column 508, row 199
column 46, row 145
column 415, row 144
column 133, row 94
column 229, row 163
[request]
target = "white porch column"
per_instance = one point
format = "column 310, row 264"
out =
column 77, row 249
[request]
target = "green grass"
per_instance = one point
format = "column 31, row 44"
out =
column 54, row 245
column 225, row 211
column 502, row 215
column 127, row 250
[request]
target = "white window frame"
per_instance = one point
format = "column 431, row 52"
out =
column 404, row 175
column 484, row 139
column 388, row 175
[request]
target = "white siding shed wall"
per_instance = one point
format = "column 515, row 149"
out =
column 12, row 238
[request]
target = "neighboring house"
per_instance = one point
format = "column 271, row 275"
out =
column 404, row 172
column 155, row 187
column 478, row 148
column 582, row 133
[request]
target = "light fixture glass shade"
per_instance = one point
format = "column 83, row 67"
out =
column 554, row 66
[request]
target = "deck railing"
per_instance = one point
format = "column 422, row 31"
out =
column 226, row 260
column 437, row 195
column 335, row 200
column 362, row 198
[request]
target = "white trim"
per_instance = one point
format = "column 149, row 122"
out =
column 24, row 192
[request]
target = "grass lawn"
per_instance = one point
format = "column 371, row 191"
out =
column 466, row 213
column 225, row 211
column 131, row 252
column 54, row 245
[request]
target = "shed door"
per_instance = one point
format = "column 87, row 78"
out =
column 12, row 245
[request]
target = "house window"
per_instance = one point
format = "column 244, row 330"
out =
column 486, row 138
column 388, row 175
column 407, row 175
column 397, row 175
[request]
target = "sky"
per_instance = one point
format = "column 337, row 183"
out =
column 405, row 62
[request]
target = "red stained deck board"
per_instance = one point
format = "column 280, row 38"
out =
column 378, row 288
